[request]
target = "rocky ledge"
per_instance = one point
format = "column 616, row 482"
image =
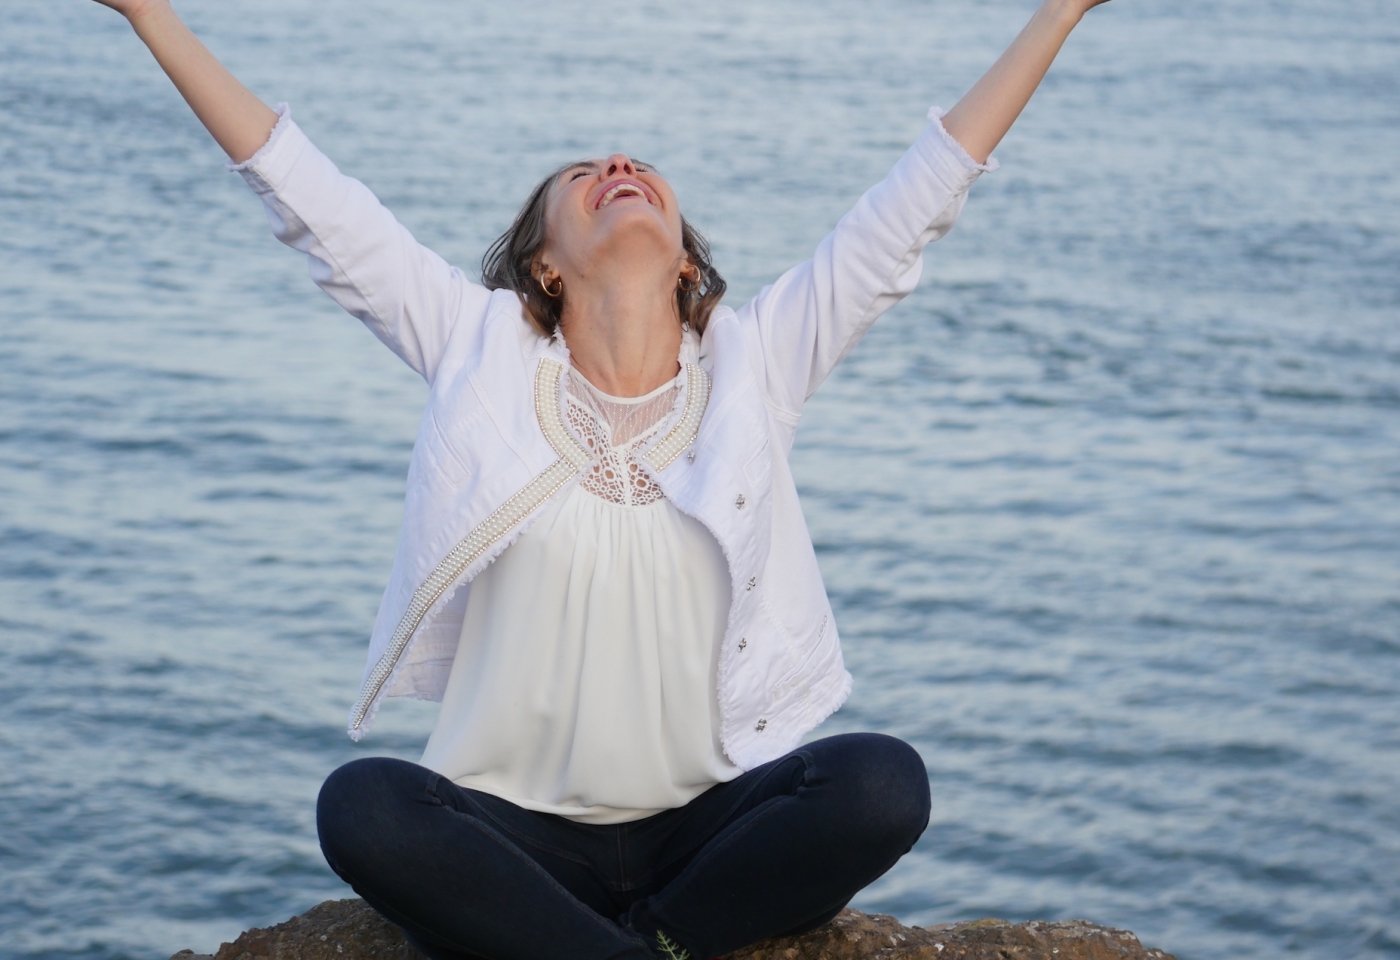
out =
column 350, row 930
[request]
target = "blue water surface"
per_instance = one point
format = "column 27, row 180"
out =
column 1109, row 509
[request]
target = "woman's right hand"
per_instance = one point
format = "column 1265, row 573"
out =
column 236, row 118
column 133, row 8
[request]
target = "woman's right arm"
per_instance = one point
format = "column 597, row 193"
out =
column 359, row 254
column 232, row 113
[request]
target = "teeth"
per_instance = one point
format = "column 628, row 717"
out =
column 619, row 190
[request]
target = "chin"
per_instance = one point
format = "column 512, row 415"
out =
column 641, row 238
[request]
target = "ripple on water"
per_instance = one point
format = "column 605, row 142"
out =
column 1107, row 508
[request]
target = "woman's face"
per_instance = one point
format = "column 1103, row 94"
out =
column 608, row 208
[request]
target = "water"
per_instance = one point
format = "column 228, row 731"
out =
column 1109, row 509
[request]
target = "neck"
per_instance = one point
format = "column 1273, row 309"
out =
column 623, row 335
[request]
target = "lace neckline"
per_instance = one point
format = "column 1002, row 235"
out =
column 627, row 474
column 619, row 423
column 616, row 437
column 576, row 374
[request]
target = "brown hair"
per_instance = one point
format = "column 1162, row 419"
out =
column 508, row 265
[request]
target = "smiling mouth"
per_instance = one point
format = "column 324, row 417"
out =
column 621, row 191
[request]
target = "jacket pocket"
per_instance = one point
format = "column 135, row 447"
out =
column 444, row 451
column 758, row 468
column 809, row 652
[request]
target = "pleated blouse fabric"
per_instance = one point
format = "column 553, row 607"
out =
column 584, row 683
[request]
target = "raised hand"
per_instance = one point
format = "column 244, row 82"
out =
column 233, row 115
column 984, row 114
column 134, row 8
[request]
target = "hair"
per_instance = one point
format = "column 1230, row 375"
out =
column 509, row 265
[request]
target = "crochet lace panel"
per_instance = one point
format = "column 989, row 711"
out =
column 615, row 430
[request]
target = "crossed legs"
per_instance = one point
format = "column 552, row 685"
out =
column 777, row 851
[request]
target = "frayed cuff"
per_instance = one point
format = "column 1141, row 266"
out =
column 935, row 115
column 284, row 120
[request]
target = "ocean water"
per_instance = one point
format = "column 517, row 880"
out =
column 1109, row 508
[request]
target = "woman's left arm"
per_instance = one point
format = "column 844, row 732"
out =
column 984, row 114
column 810, row 317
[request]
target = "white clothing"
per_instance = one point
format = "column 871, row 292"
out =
column 492, row 451
column 584, row 682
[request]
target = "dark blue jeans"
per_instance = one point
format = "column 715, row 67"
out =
column 777, row 851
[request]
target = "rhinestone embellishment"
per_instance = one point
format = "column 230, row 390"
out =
column 739, row 502
column 761, row 725
column 743, row 642
column 753, row 582
column 684, row 432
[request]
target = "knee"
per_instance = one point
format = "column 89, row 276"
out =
column 889, row 785
column 356, row 803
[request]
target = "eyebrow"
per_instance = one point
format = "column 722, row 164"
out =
column 594, row 165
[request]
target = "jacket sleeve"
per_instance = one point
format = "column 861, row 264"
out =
column 358, row 253
column 811, row 316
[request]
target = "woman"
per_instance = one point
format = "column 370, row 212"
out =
column 603, row 571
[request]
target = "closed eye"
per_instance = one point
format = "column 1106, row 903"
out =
column 587, row 170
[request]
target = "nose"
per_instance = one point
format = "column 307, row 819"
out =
column 619, row 164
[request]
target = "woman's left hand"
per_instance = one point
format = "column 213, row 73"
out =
column 1080, row 7
column 981, row 118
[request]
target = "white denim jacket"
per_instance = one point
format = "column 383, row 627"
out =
column 493, row 447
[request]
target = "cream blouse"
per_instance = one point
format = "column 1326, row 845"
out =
column 584, row 683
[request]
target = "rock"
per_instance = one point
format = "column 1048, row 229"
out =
column 858, row 935
column 350, row 930
column 334, row 930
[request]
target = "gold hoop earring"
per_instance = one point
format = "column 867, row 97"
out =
column 689, row 283
column 554, row 294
